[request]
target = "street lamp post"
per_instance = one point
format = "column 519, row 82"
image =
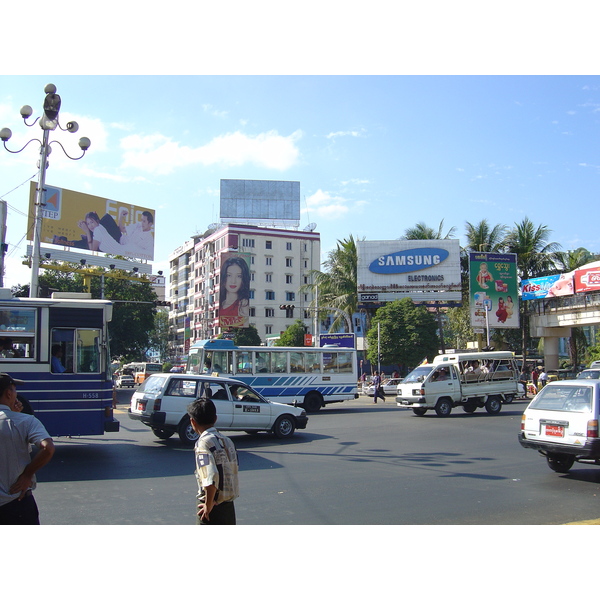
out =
column 48, row 122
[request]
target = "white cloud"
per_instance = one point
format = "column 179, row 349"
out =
column 160, row 154
column 335, row 134
column 324, row 204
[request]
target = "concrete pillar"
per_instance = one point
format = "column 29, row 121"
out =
column 550, row 352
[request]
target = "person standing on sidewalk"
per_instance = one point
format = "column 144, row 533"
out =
column 216, row 467
column 18, row 431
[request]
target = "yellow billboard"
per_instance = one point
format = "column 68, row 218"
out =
column 77, row 220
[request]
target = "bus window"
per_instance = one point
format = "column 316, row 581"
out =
column 221, row 362
column 244, row 362
column 312, row 362
column 88, row 351
column 296, row 362
column 17, row 333
column 344, row 362
column 279, row 362
column 330, row 362
column 193, row 365
column 263, row 362
column 63, row 339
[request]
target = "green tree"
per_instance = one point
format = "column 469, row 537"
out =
column 159, row 337
column 247, row 336
column 421, row 231
column 336, row 286
column 407, row 334
column 534, row 258
column 293, row 335
column 481, row 237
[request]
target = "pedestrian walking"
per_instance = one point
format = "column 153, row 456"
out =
column 377, row 391
column 543, row 379
column 216, row 467
column 18, row 430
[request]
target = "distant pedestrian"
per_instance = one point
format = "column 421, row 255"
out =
column 18, row 431
column 543, row 377
column 534, row 377
column 377, row 390
column 216, row 467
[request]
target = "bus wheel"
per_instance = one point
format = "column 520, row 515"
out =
column 493, row 405
column 284, row 427
column 312, row 402
column 186, row 432
column 162, row 434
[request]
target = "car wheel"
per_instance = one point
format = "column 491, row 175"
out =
column 419, row 411
column 186, row 432
column 561, row 463
column 493, row 405
column 443, row 408
column 312, row 402
column 162, row 434
column 284, row 427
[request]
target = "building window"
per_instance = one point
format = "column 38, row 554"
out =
column 248, row 243
column 270, row 295
column 268, row 277
column 268, row 329
column 288, row 245
column 268, row 261
column 269, row 245
column 288, row 262
column 290, row 296
column 288, row 278
column 252, row 311
column 269, row 312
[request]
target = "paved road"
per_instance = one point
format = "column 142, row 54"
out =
column 356, row 463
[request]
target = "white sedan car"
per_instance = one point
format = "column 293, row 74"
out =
column 389, row 387
column 125, row 381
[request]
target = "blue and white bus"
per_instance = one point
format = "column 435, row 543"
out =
column 59, row 347
column 310, row 377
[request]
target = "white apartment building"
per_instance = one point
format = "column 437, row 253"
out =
column 280, row 261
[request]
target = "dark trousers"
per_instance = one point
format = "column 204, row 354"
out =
column 221, row 514
column 20, row 512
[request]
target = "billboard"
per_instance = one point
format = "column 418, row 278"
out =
column 86, row 222
column 424, row 270
column 343, row 340
column 547, row 287
column 493, row 289
column 587, row 279
column 247, row 199
column 234, row 290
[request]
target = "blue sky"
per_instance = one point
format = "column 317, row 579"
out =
column 374, row 154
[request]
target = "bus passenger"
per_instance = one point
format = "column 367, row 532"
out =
column 56, row 364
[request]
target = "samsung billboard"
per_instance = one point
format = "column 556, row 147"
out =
column 424, row 270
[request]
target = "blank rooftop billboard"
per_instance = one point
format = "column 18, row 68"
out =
column 247, row 199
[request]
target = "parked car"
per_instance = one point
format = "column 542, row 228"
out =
column 125, row 381
column 389, row 387
column 161, row 403
column 561, row 423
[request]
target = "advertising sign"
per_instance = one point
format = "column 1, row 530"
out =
column 88, row 222
column 424, row 270
column 234, row 290
column 587, row 279
column 547, row 287
column 343, row 340
column 493, row 289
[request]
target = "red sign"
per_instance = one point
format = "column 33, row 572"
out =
column 587, row 280
column 308, row 339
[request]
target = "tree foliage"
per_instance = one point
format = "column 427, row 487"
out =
column 293, row 335
column 407, row 334
column 247, row 336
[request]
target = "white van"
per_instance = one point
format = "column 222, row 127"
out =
column 468, row 379
column 561, row 423
column 161, row 403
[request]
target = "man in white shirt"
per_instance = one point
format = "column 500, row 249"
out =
column 138, row 237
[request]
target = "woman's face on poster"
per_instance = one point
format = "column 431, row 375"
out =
column 234, row 278
column 91, row 223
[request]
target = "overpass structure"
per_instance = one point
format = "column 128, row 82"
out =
column 552, row 318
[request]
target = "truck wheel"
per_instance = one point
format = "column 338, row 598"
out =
column 561, row 463
column 443, row 407
column 470, row 407
column 508, row 398
column 493, row 405
column 419, row 411
column 186, row 432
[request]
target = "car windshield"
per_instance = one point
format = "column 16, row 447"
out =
column 152, row 385
column 589, row 375
column 564, row 398
column 418, row 374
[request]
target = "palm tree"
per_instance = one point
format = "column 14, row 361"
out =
column 336, row 286
column 568, row 261
column 534, row 252
column 482, row 238
column 534, row 257
column 423, row 232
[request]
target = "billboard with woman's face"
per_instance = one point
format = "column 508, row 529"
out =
column 86, row 222
column 234, row 290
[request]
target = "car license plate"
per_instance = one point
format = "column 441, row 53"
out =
column 555, row 430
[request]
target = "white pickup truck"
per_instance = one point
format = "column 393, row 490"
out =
column 470, row 379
